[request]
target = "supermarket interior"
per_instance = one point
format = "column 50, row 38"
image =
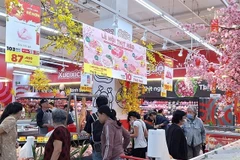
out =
column 69, row 88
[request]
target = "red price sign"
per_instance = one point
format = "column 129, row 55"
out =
column 128, row 76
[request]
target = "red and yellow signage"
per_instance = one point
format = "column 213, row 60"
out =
column 23, row 41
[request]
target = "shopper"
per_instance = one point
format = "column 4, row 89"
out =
column 8, row 131
column 94, row 128
column 148, row 122
column 160, row 122
column 59, row 143
column 139, row 134
column 176, row 141
column 44, row 117
column 114, row 138
column 69, row 119
column 194, row 132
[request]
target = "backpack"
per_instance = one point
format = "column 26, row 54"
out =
column 96, row 128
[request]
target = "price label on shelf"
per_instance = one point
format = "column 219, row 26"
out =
column 22, row 138
column 46, row 139
column 40, row 139
column 22, row 58
column 75, row 137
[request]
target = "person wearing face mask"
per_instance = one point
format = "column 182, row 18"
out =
column 194, row 132
column 176, row 140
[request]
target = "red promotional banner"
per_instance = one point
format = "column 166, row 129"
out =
column 23, row 41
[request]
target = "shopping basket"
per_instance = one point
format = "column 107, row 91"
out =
column 131, row 158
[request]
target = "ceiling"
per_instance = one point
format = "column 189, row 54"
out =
column 185, row 11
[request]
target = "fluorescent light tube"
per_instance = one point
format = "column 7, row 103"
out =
column 148, row 6
column 21, row 73
column 45, row 69
column 3, row 14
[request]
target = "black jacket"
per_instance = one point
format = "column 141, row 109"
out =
column 161, row 119
column 176, row 142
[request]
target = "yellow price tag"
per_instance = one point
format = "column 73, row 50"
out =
column 40, row 139
column 85, row 89
column 22, row 58
column 163, row 94
column 22, row 138
column 98, row 70
column 75, row 137
column 46, row 139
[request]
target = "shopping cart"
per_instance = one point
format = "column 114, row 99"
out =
column 131, row 158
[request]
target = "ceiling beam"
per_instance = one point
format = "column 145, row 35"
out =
column 137, row 24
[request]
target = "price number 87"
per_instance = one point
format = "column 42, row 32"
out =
column 16, row 58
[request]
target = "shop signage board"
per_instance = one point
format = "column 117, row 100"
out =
column 86, row 82
column 110, row 56
column 168, row 75
column 23, row 41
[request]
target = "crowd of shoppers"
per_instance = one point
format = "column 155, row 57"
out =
column 185, row 136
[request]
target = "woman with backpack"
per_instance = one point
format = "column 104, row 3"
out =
column 114, row 137
column 139, row 134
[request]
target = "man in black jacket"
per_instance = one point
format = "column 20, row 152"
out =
column 94, row 128
column 160, row 121
column 176, row 140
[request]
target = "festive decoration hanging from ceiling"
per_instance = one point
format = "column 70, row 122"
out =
column 39, row 81
column 68, row 33
column 225, row 75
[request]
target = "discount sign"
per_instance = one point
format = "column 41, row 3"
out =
column 23, row 42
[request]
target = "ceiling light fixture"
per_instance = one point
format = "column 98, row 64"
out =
column 144, row 37
column 164, row 47
column 45, row 69
column 180, row 54
column 15, row 72
column 54, row 63
column 173, row 21
column 150, row 7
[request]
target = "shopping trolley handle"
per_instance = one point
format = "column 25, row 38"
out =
column 131, row 157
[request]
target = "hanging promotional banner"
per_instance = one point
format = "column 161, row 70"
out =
column 110, row 56
column 168, row 75
column 86, row 82
column 23, row 34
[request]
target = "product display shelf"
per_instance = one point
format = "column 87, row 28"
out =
column 42, row 140
column 169, row 105
column 218, row 136
column 227, row 152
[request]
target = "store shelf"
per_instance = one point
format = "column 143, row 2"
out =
column 228, row 152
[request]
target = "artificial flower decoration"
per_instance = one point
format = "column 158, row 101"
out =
column 128, row 97
column 67, row 91
column 54, row 91
column 10, row 4
column 13, row 92
column 225, row 75
column 68, row 32
column 39, row 81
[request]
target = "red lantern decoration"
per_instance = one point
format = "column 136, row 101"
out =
column 127, row 84
column 214, row 25
column 197, row 62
